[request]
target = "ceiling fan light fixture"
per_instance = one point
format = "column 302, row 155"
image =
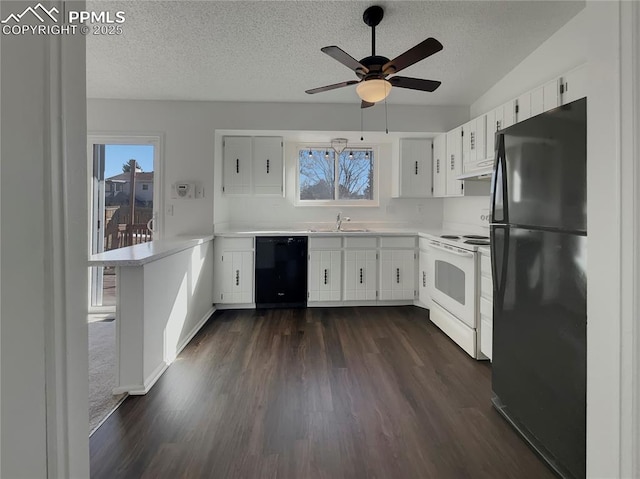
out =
column 374, row 90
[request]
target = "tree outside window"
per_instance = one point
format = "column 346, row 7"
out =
column 318, row 179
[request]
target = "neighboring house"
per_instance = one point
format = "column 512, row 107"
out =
column 118, row 189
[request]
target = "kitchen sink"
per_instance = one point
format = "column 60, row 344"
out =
column 343, row 230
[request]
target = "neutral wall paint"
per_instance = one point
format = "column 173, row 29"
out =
column 467, row 214
column 563, row 51
column 274, row 212
column 190, row 150
column 44, row 349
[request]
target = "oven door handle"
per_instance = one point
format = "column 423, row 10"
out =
column 466, row 255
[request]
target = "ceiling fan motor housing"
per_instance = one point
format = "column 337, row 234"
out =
column 374, row 64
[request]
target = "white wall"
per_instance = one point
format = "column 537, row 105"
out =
column 272, row 211
column 43, row 329
column 564, row 50
column 467, row 214
column 189, row 147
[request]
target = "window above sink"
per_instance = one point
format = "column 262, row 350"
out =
column 326, row 178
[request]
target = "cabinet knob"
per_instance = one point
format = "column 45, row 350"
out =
column 438, row 165
column 360, row 275
column 237, row 165
column 424, row 279
column 325, row 276
column 398, row 275
column 473, row 140
column 416, row 167
column 237, row 277
column 267, row 165
column 453, row 162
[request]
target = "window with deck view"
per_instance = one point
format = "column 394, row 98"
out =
column 327, row 177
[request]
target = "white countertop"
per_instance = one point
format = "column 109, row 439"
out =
column 347, row 231
column 144, row 253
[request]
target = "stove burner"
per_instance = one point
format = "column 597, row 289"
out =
column 478, row 242
column 476, row 237
column 450, row 237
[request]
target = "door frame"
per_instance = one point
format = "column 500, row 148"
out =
column 126, row 138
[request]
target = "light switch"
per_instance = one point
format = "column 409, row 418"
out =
column 169, row 210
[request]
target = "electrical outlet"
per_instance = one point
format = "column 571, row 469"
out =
column 169, row 210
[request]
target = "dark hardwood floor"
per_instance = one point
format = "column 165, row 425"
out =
column 316, row 393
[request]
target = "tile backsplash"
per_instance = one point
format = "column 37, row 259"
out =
column 466, row 214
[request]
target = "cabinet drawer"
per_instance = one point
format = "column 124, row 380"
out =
column 486, row 338
column 486, row 307
column 235, row 244
column 325, row 243
column 398, row 242
column 486, row 288
column 485, row 265
column 361, row 242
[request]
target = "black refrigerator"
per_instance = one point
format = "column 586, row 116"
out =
column 539, row 259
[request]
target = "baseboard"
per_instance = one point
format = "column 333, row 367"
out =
column 195, row 330
column 139, row 390
column 236, row 306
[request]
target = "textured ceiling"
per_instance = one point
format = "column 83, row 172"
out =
column 270, row 50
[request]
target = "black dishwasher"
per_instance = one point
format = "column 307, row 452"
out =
column 281, row 271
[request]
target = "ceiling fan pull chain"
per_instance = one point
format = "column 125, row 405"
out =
column 386, row 120
column 361, row 124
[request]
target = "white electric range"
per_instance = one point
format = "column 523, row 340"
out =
column 454, row 288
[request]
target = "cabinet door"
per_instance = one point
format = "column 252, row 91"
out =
column 468, row 148
column 267, row 165
column 490, row 138
column 499, row 117
column 237, row 277
column 423, row 279
column 574, row 85
column 537, row 101
column 397, row 274
column 439, row 171
column 508, row 114
column 236, row 174
column 325, row 275
column 523, row 107
column 478, row 142
column 415, row 167
column 551, row 94
column 453, row 165
column 361, row 270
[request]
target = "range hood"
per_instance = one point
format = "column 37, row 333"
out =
column 481, row 174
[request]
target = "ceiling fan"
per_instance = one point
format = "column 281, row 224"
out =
column 373, row 70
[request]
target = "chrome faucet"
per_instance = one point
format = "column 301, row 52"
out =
column 340, row 219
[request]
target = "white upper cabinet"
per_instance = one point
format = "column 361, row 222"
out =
column 474, row 144
column 267, row 165
column 453, row 163
column 574, row 85
column 490, row 137
column 523, row 107
column 415, row 168
column 551, row 93
column 508, row 114
column 439, row 170
column 236, row 168
column 252, row 165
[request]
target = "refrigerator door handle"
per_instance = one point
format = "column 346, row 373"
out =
column 499, row 271
column 499, row 184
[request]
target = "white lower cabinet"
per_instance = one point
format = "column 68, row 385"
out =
column 360, row 275
column 233, row 270
column 423, row 277
column 486, row 304
column 397, row 274
column 325, row 275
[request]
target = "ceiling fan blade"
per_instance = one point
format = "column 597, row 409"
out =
column 413, row 55
column 414, row 83
column 331, row 87
column 366, row 104
column 343, row 57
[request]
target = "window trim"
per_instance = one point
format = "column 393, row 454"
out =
column 374, row 202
